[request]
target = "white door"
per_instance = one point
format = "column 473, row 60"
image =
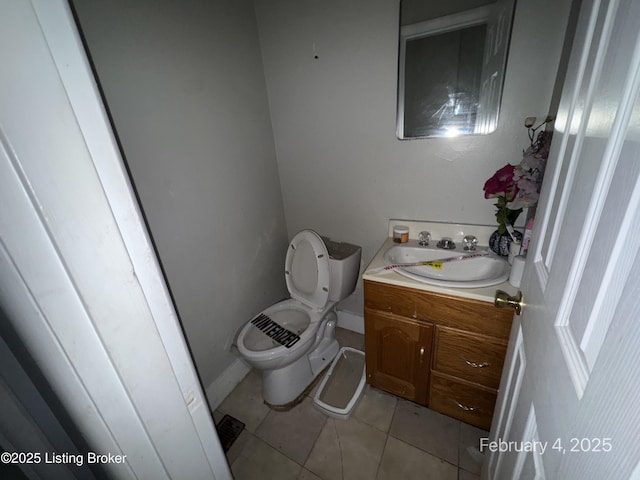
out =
column 571, row 381
column 79, row 280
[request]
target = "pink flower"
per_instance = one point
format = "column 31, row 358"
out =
column 518, row 186
column 527, row 196
column 533, row 161
column 502, row 184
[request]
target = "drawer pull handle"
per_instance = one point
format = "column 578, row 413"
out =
column 421, row 354
column 465, row 408
column 477, row 365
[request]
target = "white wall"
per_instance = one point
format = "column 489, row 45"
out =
column 185, row 87
column 342, row 170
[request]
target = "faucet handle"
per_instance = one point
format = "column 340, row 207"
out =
column 469, row 242
column 424, row 238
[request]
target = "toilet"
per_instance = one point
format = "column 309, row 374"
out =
column 292, row 341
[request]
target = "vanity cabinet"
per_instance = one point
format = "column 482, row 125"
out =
column 441, row 351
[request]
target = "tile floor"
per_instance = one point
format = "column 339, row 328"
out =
column 386, row 437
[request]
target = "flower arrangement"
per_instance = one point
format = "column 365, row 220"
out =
column 518, row 186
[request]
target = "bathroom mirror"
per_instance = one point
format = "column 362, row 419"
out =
column 452, row 61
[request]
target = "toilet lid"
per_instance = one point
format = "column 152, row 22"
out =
column 307, row 269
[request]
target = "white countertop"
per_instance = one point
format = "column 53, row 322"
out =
column 485, row 294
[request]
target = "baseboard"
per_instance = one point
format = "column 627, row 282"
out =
column 222, row 386
column 351, row 312
column 351, row 321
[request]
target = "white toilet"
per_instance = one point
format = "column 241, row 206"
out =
column 292, row 341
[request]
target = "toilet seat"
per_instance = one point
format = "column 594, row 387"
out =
column 279, row 333
column 266, row 335
column 307, row 269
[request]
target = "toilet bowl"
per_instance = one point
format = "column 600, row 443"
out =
column 292, row 341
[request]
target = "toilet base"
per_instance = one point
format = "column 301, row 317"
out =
column 282, row 386
column 323, row 356
column 292, row 404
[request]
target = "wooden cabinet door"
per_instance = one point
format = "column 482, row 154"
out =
column 398, row 355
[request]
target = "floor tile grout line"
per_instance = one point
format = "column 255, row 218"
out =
column 385, row 445
column 335, row 427
column 386, row 439
column 384, row 449
column 387, row 435
column 423, row 451
column 275, row 447
column 459, row 436
column 315, row 441
column 459, row 444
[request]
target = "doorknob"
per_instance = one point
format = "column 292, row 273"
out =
column 503, row 300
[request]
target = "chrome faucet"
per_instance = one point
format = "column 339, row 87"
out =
column 446, row 243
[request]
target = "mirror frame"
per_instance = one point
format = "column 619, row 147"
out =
column 448, row 23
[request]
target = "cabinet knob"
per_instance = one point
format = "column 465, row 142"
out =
column 421, row 354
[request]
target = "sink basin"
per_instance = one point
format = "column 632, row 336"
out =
column 470, row 273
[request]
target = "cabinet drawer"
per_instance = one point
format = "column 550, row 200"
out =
column 463, row 313
column 472, row 357
column 458, row 399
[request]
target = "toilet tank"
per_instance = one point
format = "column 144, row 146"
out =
column 344, row 265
